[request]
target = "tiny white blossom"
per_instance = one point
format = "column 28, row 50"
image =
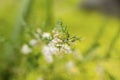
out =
column 26, row 49
column 47, row 54
column 56, row 35
column 49, row 58
column 33, row 42
column 56, row 40
column 46, row 50
column 59, row 45
column 67, row 49
column 51, row 44
column 70, row 65
column 39, row 30
column 40, row 78
column 53, row 49
column 46, row 35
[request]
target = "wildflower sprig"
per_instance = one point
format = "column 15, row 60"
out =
column 66, row 38
column 58, row 41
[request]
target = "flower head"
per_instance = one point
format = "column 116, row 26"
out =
column 46, row 35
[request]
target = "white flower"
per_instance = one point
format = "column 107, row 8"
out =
column 67, row 49
column 53, row 49
column 56, row 40
column 70, row 65
column 25, row 49
column 33, row 42
column 48, row 51
column 40, row 78
column 59, row 45
column 46, row 35
column 51, row 44
column 47, row 54
column 39, row 30
column 57, row 35
column 49, row 58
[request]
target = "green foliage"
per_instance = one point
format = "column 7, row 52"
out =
column 27, row 32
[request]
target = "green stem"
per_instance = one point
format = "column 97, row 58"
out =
column 49, row 15
column 20, row 22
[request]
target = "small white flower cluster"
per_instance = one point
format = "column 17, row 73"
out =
column 50, row 50
column 51, row 44
column 55, row 46
column 38, row 37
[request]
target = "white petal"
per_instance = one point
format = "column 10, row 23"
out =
column 49, row 58
column 70, row 65
column 46, row 50
column 25, row 49
column 39, row 30
column 67, row 49
column 33, row 42
column 46, row 35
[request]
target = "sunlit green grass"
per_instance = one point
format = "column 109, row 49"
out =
column 87, row 25
column 79, row 23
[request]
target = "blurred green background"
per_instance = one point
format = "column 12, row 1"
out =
column 102, row 53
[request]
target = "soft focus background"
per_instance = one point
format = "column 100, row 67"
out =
column 99, row 51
